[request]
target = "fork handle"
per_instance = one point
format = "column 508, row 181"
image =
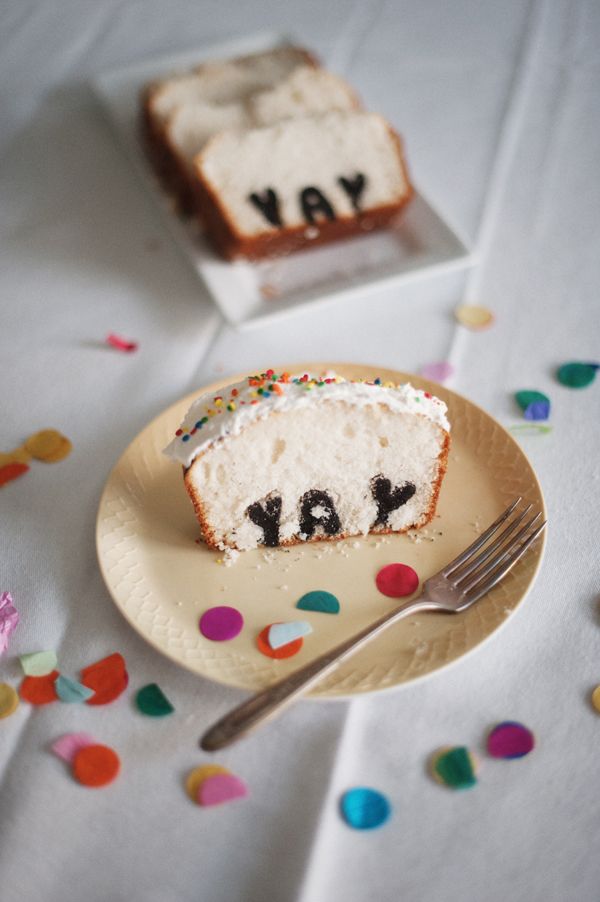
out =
column 270, row 701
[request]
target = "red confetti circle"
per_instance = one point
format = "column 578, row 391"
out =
column 397, row 580
column 284, row 651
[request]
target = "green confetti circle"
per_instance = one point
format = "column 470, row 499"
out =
column 577, row 375
column 152, row 701
column 526, row 397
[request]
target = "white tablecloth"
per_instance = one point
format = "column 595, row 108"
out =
column 499, row 107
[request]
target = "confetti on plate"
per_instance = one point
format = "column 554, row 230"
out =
column 596, row 699
column 221, row 623
column 152, row 701
column 71, row 692
column 454, row 767
column 281, row 634
column 9, row 700
column 438, row 372
column 9, row 618
column 577, row 375
column 38, row 663
column 474, row 317
column 49, row 445
column 121, row 344
column 364, row 808
column 96, row 765
column 510, row 739
column 320, row 601
column 67, row 746
column 397, row 580
column 108, row 678
column 285, row 651
column 39, row 690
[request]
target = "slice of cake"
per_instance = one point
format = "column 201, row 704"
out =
column 182, row 111
column 272, row 190
column 278, row 460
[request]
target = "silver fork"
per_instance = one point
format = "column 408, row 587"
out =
column 455, row 588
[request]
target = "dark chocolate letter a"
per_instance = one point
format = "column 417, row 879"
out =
column 314, row 202
column 354, row 188
column 268, row 204
column 328, row 519
column 267, row 516
column 388, row 499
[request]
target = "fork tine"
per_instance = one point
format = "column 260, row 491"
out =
column 473, row 563
column 500, row 572
column 505, row 550
column 466, row 554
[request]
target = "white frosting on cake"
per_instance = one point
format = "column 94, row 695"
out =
column 229, row 410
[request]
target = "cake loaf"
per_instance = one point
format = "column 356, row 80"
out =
column 305, row 181
column 279, row 459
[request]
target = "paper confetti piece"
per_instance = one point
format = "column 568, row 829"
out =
column 510, row 740
column 577, row 375
column 39, row 690
column 108, row 678
column 197, row 776
column 596, row 699
column 319, row 600
column 38, row 663
column 474, row 317
column 281, row 634
column 221, row 623
column 364, row 808
column 121, row 344
column 534, row 404
column 9, row 618
column 72, row 692
column 286, row 651
column 220, row 788
column 438, row 372
column 12, row 471
column 530, row 429
column 67, row 746
column 454, row 767
column 48, row 445
column 96, row 765
column 152, row 701
column 9, row 700
column 19, row 455
column 397, row 580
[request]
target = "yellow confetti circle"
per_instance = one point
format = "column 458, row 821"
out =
column 474, row 317
column 198, row 775
column 9, row 700
column 48, row 445
column 596, row 699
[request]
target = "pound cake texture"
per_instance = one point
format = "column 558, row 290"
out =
column 278, row 459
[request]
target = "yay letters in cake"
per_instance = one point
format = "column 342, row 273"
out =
column 313, row 202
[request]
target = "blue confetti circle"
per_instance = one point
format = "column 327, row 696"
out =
column 364, row 808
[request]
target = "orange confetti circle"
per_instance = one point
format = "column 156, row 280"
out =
column 284, row 651
column 39, row 690
column 12, row 471
column 108, row 678
column 96, row 765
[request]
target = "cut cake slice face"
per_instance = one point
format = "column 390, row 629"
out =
column 302, row 181
column 311, row 459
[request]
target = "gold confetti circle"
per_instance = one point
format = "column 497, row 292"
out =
column 596, row 699
column 9, row 700
column 474, row 317
column 48, row 445
column 198, row 775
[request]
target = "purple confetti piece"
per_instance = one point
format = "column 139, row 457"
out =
column 439, row 372
column 221, row 623
column 9, row 618
column 537, row 410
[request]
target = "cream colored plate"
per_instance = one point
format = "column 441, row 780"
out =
column 162, row 580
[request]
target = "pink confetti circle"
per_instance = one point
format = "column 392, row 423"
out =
column 510, row 740
column 439, row 371
column 397, row 580
column 220, row 788
column 221, row 623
